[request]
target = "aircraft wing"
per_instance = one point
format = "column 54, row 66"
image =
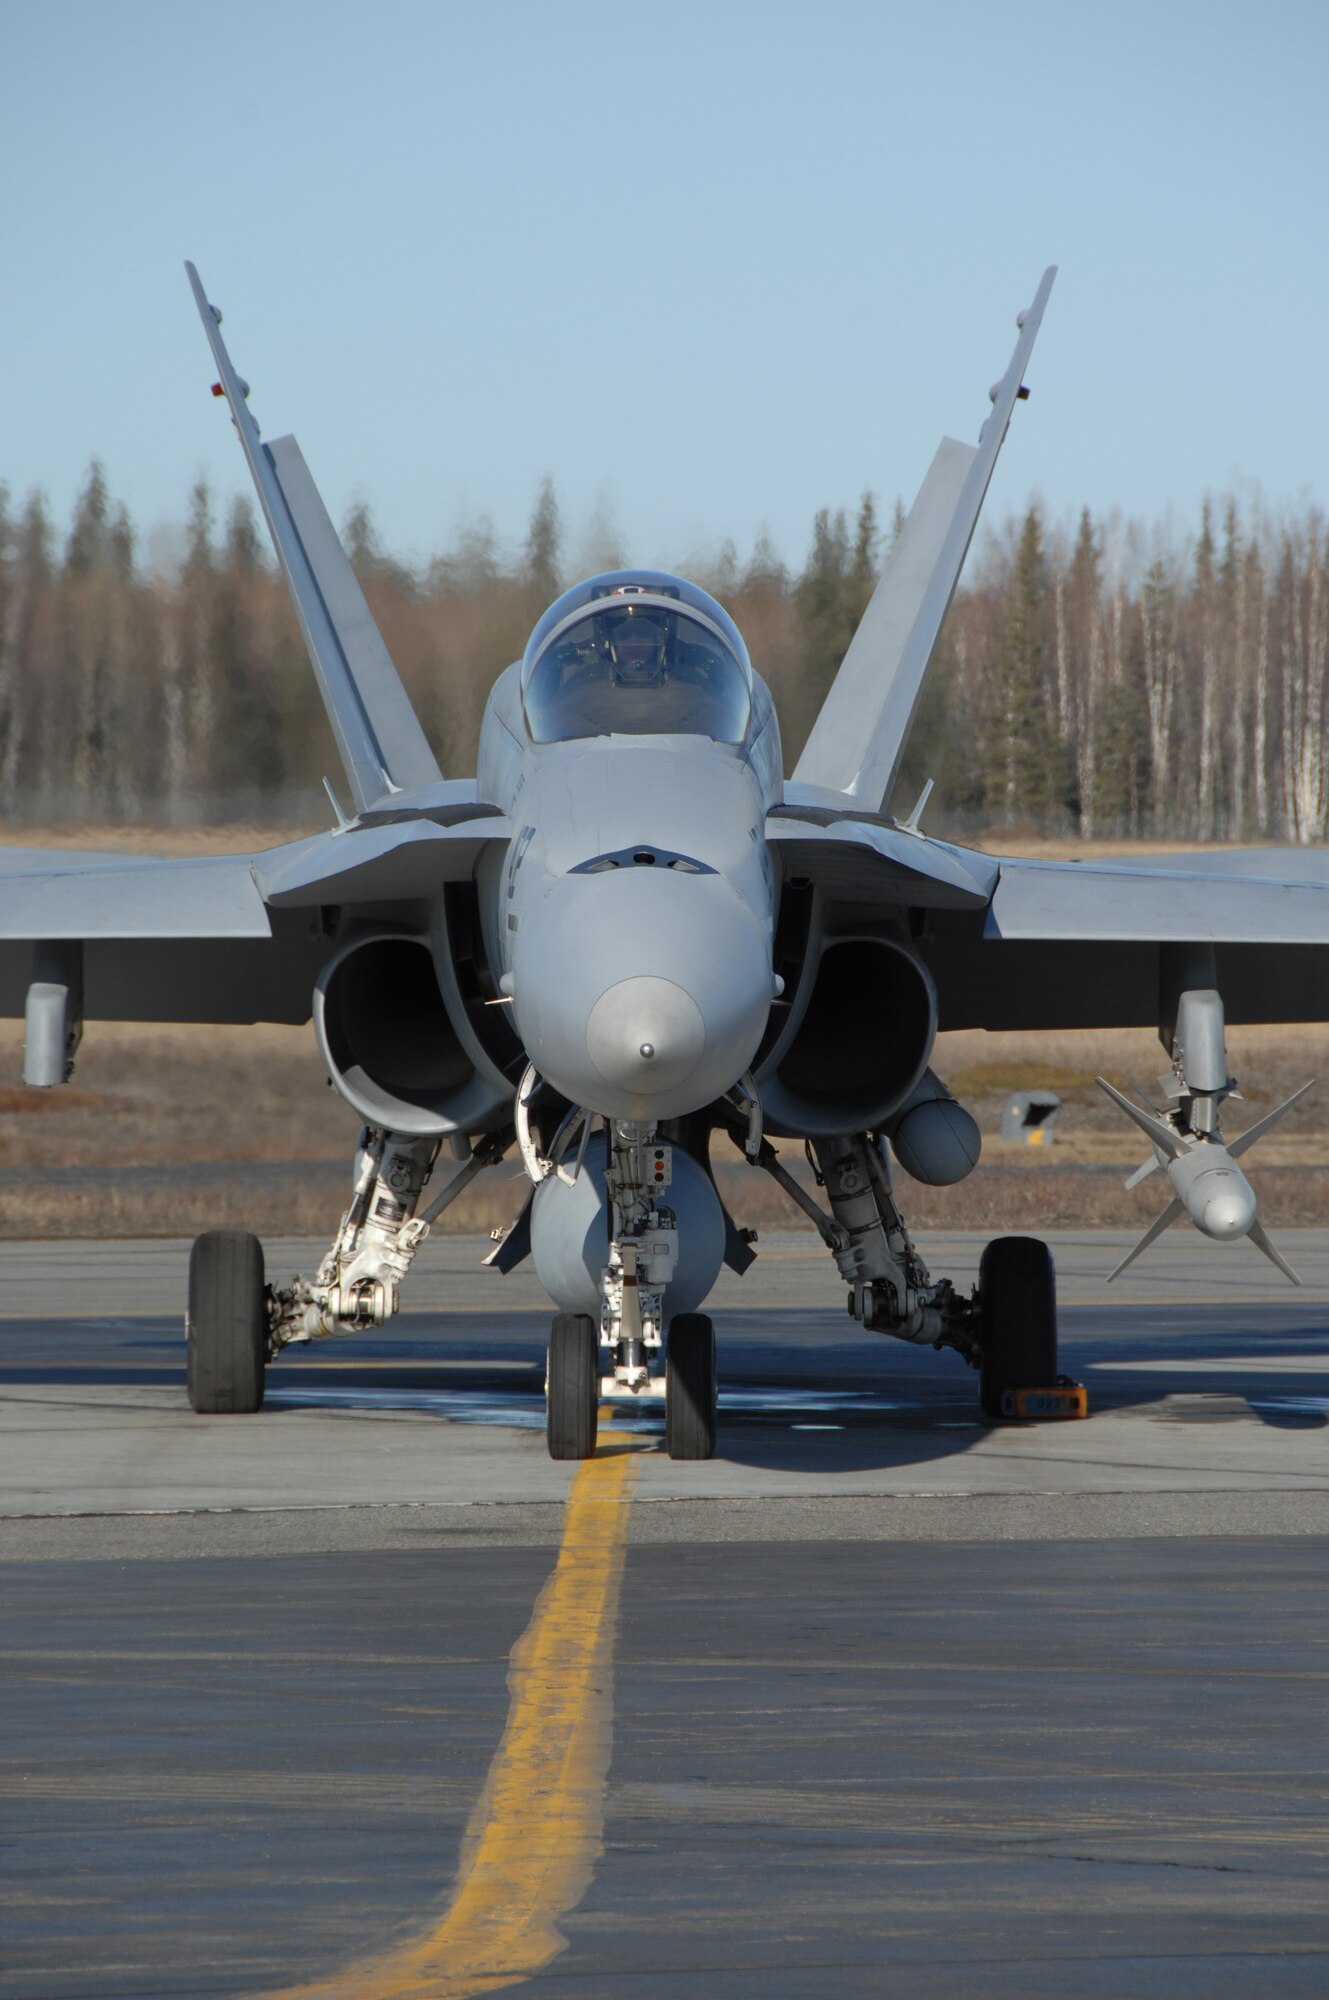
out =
column 382, row 746
column 1269, row 864
column 221, row 938
column 1162, row 903
column 52, row 893
column 1081, row 944
column 859, row 738
column 1014, row 943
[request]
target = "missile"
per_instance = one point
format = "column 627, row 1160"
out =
column 1208, row 1185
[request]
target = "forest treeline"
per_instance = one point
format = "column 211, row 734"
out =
column 1123, row 678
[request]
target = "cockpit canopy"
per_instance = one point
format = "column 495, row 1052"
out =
column 636, row 653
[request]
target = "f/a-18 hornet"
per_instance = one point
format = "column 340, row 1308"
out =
column 629, row 935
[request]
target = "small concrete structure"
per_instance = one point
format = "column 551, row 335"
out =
column 1031, row 1115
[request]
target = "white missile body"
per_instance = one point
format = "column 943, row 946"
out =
column 1213, row 1190
column 1207, row 1183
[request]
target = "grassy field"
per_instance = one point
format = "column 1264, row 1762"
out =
column 168, row 1131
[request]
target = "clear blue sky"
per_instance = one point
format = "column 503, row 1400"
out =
column 713, row 266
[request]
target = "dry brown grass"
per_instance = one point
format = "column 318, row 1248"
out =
column 170, row 1130
column 233, row 839
column 241, row 839
column 1035, row 846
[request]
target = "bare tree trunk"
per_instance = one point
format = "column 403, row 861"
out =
column 1260, row 746
column 1237, row 718
column 175, row 761
column 1063, row 661
column 1160, row 681
column 1205, row 797
column 12, row 704
column 1305, row 761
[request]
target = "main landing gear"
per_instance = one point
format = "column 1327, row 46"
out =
column 236, row 1323
column 1006, row 1329
column 1017, row 1320
column 227, row 1327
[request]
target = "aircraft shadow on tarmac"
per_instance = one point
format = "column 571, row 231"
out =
column 790, row 1399
column 856, row 1406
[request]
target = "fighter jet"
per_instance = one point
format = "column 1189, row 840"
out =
column 629, row 938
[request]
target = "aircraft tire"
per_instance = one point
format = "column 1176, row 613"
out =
column 572, row 1386
column 227, row 1327
column 690, row 1387
column 1017, row 1319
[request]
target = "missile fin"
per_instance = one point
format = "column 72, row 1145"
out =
column 1151, row 1234
column 1155, row 1129
column 1261, row 1241
column 1143, row 1173
column 1246, row 1139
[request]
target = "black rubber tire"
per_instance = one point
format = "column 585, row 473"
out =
column 1017, row 1319
column 227, row 1327
column 690, row 1387
column 572, row 1386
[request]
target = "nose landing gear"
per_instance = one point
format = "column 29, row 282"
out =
column 643, row 1205
column 690, row 1387
column 572, row 1386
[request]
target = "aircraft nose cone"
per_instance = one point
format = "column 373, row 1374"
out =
column 645, row 1035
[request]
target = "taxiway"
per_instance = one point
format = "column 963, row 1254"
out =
column 888, row 1700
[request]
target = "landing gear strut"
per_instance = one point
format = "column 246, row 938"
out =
column 890, row 1287
column 627, row 1340
column 236, row 1323
column 1007, row 1328
column 359, row 1282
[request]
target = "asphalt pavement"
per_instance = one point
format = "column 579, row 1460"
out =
column 897, row 1701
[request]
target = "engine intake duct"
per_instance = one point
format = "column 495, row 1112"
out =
column 392, row 1045
column 860, row 1045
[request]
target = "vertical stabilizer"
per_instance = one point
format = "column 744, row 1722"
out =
column 859, row 738
column 382, row 745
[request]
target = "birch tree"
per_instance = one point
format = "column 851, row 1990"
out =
column 1304, row 647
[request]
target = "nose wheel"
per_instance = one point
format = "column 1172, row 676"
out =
column 690, row 1387
column 572, row 1385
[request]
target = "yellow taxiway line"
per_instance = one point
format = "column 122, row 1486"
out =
column 535, row 1836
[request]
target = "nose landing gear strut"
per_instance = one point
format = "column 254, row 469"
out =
column 623, row 1353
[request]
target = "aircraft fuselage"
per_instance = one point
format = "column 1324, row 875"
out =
column 631, row 917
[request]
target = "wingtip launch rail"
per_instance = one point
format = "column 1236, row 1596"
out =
column 859, row 738
column 382, row 746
